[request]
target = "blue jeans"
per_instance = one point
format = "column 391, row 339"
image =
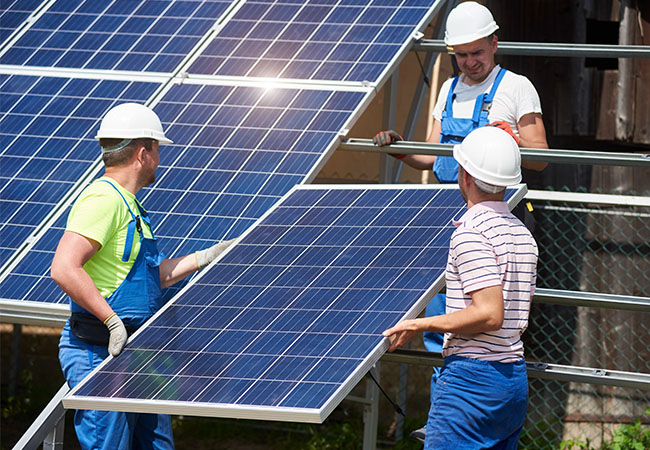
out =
column 107, row 430
column 477, row 405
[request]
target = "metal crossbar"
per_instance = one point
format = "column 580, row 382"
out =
column 551, row 49
column 527, row 154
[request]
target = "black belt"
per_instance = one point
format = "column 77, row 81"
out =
column 91, row 330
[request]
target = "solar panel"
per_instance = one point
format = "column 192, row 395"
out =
column 237, row 150
column 350, row 40
column 47, row 130
column 140, row 35
column 290, row 318
column 13, row 14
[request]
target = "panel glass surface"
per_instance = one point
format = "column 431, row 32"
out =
column 236, row 152
column 348, row 40
column 138, row 35
column 47, row 130
column 289, row 314
column 13, row 14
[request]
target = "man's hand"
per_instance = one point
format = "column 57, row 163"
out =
column 206, row 256
column 401, row 334
column 386, row 138
column 118, row 334
column 505, row 127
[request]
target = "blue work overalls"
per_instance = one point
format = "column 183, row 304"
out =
column 453, row 131
column 134, row 301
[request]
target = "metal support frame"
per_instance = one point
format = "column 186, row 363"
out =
column 550, row 49
column 48, row 427
column 527, row 154
column 540, row 370
column 371, row 411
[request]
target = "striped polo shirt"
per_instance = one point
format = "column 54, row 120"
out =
column 491, row 247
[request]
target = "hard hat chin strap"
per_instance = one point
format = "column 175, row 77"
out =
column 119, row 146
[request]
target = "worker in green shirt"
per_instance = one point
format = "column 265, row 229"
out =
column 108, row 263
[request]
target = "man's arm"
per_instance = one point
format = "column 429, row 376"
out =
column 484, row 314
column 173, row 270
column 73, row 251
column 532, row 134
column 425, row 162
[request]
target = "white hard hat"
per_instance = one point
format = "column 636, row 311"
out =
column 467, row 23
column 491, row 155
column 132, row 121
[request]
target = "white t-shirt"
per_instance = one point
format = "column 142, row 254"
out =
column 515, row 97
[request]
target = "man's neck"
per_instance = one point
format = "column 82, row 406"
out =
column 124, row 177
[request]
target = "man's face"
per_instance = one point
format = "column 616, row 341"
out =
column 476, row 59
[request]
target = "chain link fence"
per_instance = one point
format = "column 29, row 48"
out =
column 592, row 248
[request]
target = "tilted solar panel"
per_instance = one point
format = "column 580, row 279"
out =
column 290, row 318
column 348, row 40
column 47, row 130
column 134, row 35
column 236, row 151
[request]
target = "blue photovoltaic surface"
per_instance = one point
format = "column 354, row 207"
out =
column 13, row 14
column 350, row 40
column 136, row 35
column 287, row 316
column 47, row 130
column 236, row 151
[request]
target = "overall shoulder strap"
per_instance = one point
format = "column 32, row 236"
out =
column 484, row 101
column 133, row 224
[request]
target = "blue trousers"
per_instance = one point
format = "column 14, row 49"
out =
column 107, row 430
column 477, row 405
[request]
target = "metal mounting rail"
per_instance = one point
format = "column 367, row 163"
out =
column 47, row 429
column 551, row 49
column 527, row 154
column 545, row 371
column 592, row 300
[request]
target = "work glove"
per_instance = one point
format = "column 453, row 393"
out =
column 206, row 256
column 118, row 334
column 386, row 138
column 505, row 127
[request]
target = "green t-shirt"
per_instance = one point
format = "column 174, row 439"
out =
column 100, row 214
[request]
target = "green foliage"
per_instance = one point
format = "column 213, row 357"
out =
column 635, row 436
column 339, row 436
column 540, row 436
column 630, row 437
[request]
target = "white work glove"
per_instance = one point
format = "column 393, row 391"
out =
column 118, row 336
column 206, row 256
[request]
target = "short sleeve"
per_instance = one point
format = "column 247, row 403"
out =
column 475, row 260
column 442, row 99
column 94, row 215
column 527, row 99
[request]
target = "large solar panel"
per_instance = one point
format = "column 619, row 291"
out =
column 134, row 35
column 47, row 128
column 237, row 150
column 290, row 318
column 348, row 40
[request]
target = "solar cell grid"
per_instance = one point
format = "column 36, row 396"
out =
column 270, row 331
column 312, row 39
column 131, row 35
column 237, row 151
column 13, row 14
column 47, row 128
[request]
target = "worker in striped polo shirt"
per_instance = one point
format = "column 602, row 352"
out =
column 481, row 396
